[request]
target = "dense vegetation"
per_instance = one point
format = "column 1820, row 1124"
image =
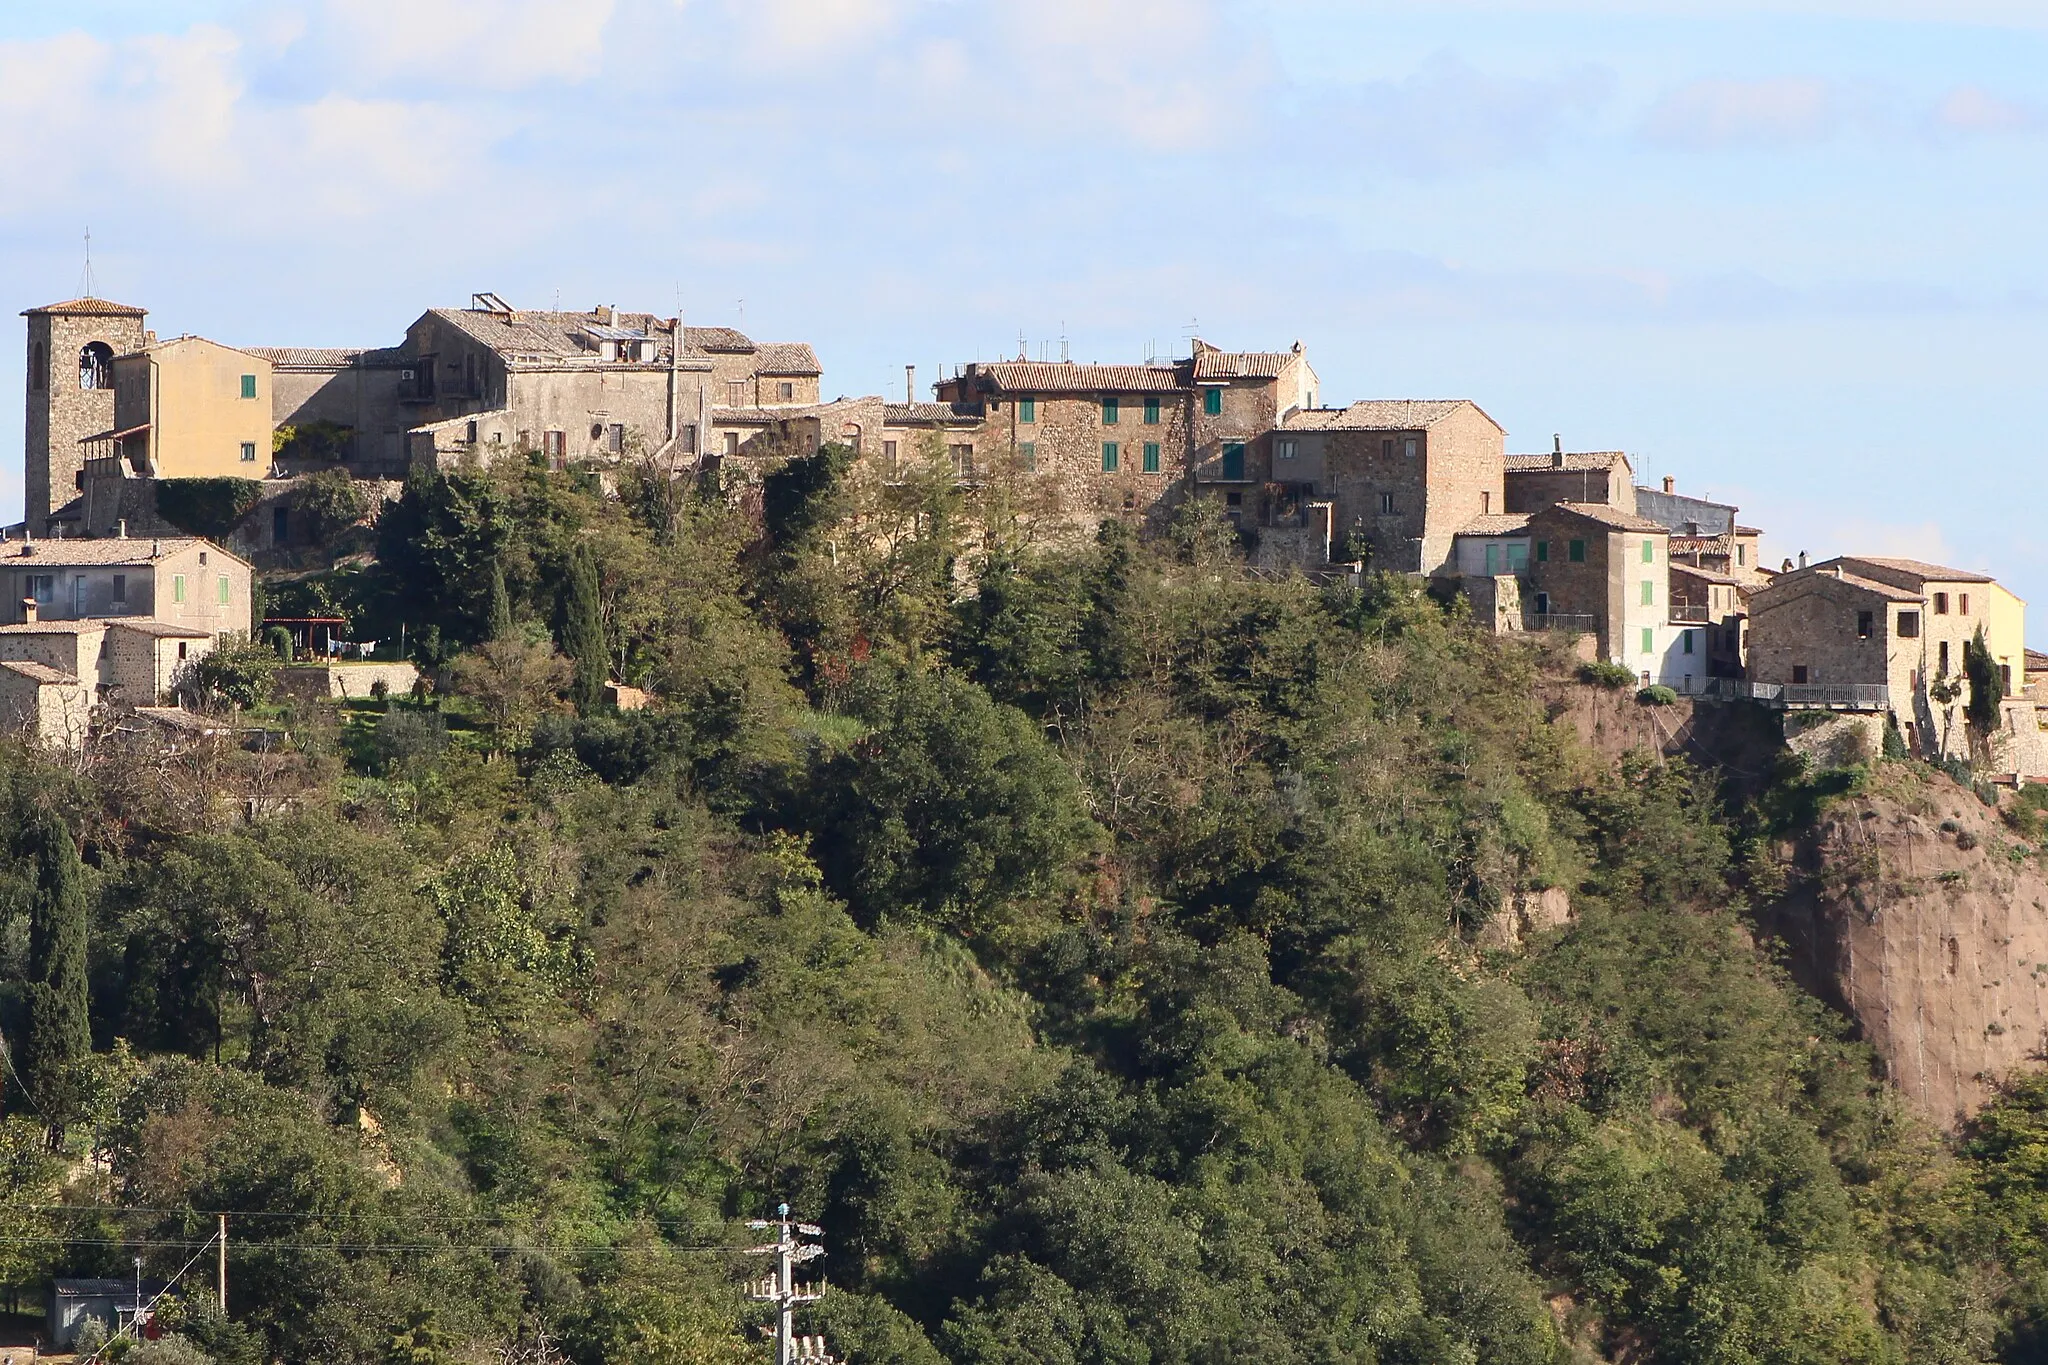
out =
column 1086, row 936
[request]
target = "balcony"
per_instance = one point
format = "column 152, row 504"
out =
column 1684, row 615
column 1801, row 696
column 1583, row 622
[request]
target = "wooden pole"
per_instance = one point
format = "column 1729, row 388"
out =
column 223, row 1265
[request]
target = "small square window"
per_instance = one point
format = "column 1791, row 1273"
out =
column 1151, row 457
column 248, row 386
column 1109, row 411
column 1799, row 675
column 1109, row 457
column 1027, row 409
column 785, row 391
column 1409, row 447
column 248, row 452
column 1578, row 552
column 1151, row 412
column 1386, row 504
column 1212, row 402
column 1286, row 450
column 1909, row 625
column 1027, row 455
column 1941, row 604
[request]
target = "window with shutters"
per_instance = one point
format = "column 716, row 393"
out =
column 1212, row 402
column 1962, row 604
column 1688, row 639
column 78, row 595
column 1233, row 461
column 1027, row 409
column 1577, row 553
column 1109, row 457
column 1152, row 412
column 222, row 590
column 1649, row 551
column 1151, row 457
column 615, row 438
column 1109, row 413
column 1542, row 552
column 1941, row 604
column 1649, row 593
column 177, row 587
column 1649, row 641
column 120, row 590
column 1027, row 456
column 248, row 386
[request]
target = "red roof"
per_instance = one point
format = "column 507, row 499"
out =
column 89, row 308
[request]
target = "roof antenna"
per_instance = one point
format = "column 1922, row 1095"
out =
column 85, row 280
column 743, row 312
column 1022, row 352
column 1064, row 357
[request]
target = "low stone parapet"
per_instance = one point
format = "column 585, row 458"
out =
column 345, row 681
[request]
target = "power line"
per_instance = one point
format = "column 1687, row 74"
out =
column 407, row 1216
column 245, row 1245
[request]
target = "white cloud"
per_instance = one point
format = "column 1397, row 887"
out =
column 1448, row 117
column 1972, row 109
column 471, row 44
column 1721, row 113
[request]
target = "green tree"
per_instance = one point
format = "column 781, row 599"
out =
column 58, row 1039
column 1987, row 684
column 501, row 625
column 238, row 671
column 583, row 632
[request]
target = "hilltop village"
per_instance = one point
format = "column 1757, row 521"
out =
column 109, row 598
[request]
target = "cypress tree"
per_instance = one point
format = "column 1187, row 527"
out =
column 59, row 1036
column 583, row 632
column 499, row 624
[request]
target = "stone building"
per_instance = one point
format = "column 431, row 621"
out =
column 1534, row 482
column 70, row 377
column 1603, row 571
column 1872, row 633
column 1715, row 602
column 108, row 620
column 1403, row 476
column 346, row 402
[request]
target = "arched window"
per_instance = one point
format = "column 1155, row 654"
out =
column 96, row 366
column 38, row 368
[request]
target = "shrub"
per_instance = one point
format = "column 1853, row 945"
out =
column 240, row 671
column 1600, row 673
column 1894, row 742
column 1657, row 694
column 280, row 640
column 405, row 738
column 206, row 507
column 330, row 502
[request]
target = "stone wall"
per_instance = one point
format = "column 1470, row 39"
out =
column 1464, row 461
column 60, row 413
column 53, row 715
column 340, row 681
column 1591, row 588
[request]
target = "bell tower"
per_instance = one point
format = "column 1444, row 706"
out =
column 71, row 350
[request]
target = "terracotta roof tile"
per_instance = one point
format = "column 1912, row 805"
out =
column 103, row 550
column 40, row 673
column 1786, row 582
column 1574, row 461
column 1496, row 524
column 326, row 357
column 89, row 308
column 1036, row 376
column 1241, row 364
column 920, row 414
column 1380, row 414
column 1914, row 568
column 1612, row 517
column 787, row 357
column 68, row 627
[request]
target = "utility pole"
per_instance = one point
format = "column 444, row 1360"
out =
column 223, row 1265
column 782, row 1290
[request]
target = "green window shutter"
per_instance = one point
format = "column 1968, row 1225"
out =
column 1688, row 640
column 1151, row 457
column 1109, row 457
column 1649, row 551
column 223, row 589
column 177, row 587
column 1109, row 411
column 1578, row 552
column 1233, row 461
column 1649, row 593
column 1027, row 455
column 1212, row 402
column 1027, row 409
column 1151, row 412
column 1542, row 552
column 248, row 386
column 1649, row 643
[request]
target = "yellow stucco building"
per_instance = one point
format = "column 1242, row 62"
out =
column 189, row 408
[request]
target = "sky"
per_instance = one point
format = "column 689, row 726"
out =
column 1786, row 251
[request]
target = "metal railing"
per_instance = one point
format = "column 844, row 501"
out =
column 1689, row 616
column 1562, row 620
column 1800, row 696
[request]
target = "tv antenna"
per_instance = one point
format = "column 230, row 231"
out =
column 85, row 280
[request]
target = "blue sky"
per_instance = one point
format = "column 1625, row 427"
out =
column 1788, row 252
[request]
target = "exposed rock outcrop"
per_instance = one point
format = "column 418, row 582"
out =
column 1922, row 916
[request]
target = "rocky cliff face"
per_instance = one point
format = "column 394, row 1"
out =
column 1919, row 913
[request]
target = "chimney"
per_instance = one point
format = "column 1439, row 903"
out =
column 28, row 610
column 156, row 549
column 1802, row 559
column 605, row 314
column 1670, row 484
column 121, row 529
column 910, row 383
column 1556, row 451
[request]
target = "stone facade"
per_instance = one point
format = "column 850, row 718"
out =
column 71, row 349
column 1536, row 481
column 1404, row 476
column 346, row 681
column 1605, row 572
column 357, row 391
column 176, row 580
column 41, row 706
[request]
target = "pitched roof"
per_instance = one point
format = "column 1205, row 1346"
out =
column 2036, row 661
column 1213, row 365
column 326, row 357
column 1915, row 568
column 1064, row 376
column 1574, row 461
column 719, row 340
column 1612, row 517
column 925, row 414
column 65, row 627
column 1496, row 524
column 786, row 357
column 1817, row 574
column 42, row 674
column 103, row 550
column 1694, row 571
column 143, row 625
column 1382, row 414
column 89, row 308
